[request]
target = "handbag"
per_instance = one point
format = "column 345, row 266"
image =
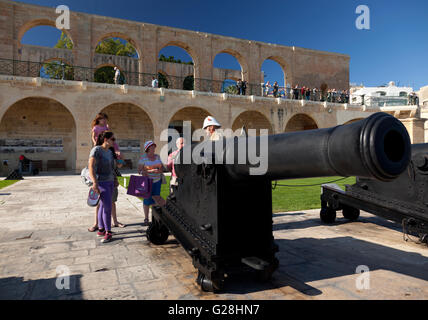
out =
column 86, row 178
column 140, row 186
column 93, row 198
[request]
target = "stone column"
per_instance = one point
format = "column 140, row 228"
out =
column 8, row 34
column 416, row 129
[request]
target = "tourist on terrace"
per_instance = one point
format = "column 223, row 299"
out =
column 116, row 75
column 155, row 83
column 275, row 89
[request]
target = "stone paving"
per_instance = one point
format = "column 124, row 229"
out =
column 44, row 225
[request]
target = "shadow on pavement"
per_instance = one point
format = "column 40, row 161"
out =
column 43, row 289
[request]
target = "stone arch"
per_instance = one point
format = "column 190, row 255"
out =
column 132, row 127
column 40, row 22
column 241, row 60
column 118, row 35
column 285, row 66
column 41, row 128
column 353, row 120
column 186, row 47
column 301, row 122
column 252, row 120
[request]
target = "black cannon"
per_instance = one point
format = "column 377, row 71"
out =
column 404, row 200
column 222, row 214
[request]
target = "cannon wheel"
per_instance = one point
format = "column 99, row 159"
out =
column 157, row 233
column 328, row 215
column 209, row 285
column 350, row 213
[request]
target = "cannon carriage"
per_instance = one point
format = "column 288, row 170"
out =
column 221, row 213
column 404, row 200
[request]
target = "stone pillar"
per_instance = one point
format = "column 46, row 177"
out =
column 8, row 34
column 416, row 129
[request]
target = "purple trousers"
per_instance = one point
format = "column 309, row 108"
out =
column 104, row 210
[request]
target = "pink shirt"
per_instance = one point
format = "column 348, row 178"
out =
column 99, row 129
column 170, row 163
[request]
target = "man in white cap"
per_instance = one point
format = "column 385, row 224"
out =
column 116, row 75
column 210, row 126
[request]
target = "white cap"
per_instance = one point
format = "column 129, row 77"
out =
column 210, row 121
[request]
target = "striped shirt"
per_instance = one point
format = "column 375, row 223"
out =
column 147, row 163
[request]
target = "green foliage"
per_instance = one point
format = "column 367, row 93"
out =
column 106, row 75
column 163, row 82
column 231, row 90
column 64, row 42
column 172, row 59
column 189, row 83
column 57, row 70
column 116, row 47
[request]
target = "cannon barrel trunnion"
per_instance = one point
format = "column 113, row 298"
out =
column 222, row 215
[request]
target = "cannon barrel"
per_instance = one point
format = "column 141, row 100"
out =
column 377, row 147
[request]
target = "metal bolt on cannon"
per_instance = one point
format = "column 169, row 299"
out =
column 222, row 215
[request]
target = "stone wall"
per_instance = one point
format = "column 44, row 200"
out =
column 301, row 66
column 45, row 128
column 65, row 109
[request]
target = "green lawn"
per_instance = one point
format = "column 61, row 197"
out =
column 286, row 199
column 6, row 183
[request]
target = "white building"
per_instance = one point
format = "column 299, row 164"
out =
column 390, row 95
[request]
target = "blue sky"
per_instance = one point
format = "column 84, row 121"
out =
column 395, row 48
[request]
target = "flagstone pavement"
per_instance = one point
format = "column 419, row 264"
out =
column 44, row 233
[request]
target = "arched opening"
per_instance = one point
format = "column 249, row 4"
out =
column 226, row 67
column 57, row 69
column 193, row 114
column 45, row 34
column 301, row 122
column 41, row 129
column 189, row 83
column 273, row 71
column 40, row 41
column 109, row 74
column 120, row 51
column 132, row 128
column 179, row 65
column 353, row 120
column 252, row 120
column 116, row 46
